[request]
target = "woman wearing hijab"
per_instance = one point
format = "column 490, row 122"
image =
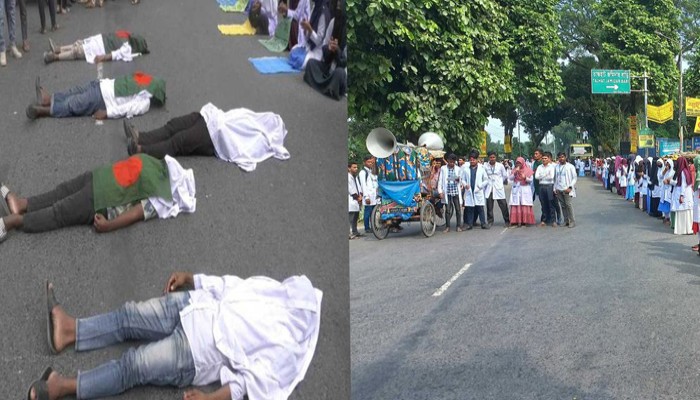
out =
column 329, row 75
column 682, row 199
column 622, row 179
column 647, row 183
column 655, row 186
column 521, row 194
column 316, row 33
column 666, row 177
column 640, row 184
column 696, row 202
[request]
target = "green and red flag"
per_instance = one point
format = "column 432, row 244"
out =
column 130, row 85
column 127, row 181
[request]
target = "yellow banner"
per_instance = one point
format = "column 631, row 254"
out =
column 484, row 143
column 633, row 133
column 661, row 113
column 508, row 144
column 697, row 125
column 646, row 141
column 692, row 107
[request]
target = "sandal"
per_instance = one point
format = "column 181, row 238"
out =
column 90, row 4
column 51, row 303
column 41, row 388
column 696, row 247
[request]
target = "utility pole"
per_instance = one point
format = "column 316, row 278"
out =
column 680, row 85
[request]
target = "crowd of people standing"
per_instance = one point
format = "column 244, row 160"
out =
column 467, row 187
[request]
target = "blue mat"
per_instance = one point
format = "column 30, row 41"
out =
column 227, row 3
column 273, row 65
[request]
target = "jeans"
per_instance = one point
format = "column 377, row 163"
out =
column 473, row 212
column 367, row 216
column 166, row 362
column 453, row 204
column 70, row 203
column 23, row 17
column 8, row 14
column 548, row 204
column 182, row 136
column 78, row 101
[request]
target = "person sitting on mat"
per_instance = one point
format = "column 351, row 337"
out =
column 125, row 96
column 240, row 136
column 256, row 336
column 109, row 197
column 118, row 46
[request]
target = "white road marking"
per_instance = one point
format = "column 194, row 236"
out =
column 454, row 278
column 504, row 230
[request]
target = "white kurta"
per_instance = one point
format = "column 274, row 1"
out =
column 182, row 188
column 474, row 196
column 257, row 335
column 245, row 137
column 442, row 182
column 496, row 174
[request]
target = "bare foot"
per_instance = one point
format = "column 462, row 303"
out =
column 16, row 204
column 63, row 328
column 45, row 97
column 195, row 394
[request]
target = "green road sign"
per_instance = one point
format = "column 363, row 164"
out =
column 610, row 81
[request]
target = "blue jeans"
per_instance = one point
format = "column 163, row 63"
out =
column 368, row 214
column 78, row 101
column 166, row 362
column 7, row 9
column 474, row 212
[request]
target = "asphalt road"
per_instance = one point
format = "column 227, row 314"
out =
column 285, row 218
column 607, row 310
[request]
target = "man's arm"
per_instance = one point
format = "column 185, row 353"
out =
column 131, row 216
column 224, row 393
column 139, row 105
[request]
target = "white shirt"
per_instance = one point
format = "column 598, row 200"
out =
column 301, row 13
column 545, row 174
column 368, row 186
column 256, row 335
column 245, row 137
column 127, row 106
column 183, row 191
column 565, row 177
column 94, row 46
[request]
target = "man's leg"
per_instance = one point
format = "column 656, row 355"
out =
column 23, row 21
column 84, row 103
column 546, row 203
column 503, row 205
column 10, row 13
column 74, row 51
column 170, row 129
column 42, row 15
column 61, row 208
column 458, row 211
column 368, row 214
column 194, row 140
column 568, row 209
column 354, row 215
column 448, row 212
column 489, row 208
column 470, row 216
column 482, row 216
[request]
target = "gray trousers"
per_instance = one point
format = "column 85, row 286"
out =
column 567, row 209
column 70, row 203
column 453, row 204
column 353, row 217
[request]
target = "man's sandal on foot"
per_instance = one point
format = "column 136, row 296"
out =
column 41, row 388
column 51, row 303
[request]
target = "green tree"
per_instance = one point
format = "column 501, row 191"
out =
column 434, row 65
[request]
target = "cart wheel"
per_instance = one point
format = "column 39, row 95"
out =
column 427, row 218
column 379, row 227
column 440, row 216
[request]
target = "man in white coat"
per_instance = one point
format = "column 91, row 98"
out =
column 368, row 187
column 354, row 200
column 450, row 191
column 565, row 187
column 497, row 176
column 475, row 183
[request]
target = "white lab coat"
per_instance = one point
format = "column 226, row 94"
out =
column 353, row 188
column 474, row 196
column 442, row 182
column 496, row 174
column 368, row 186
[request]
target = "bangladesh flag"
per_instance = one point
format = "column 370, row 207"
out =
column 134, row 179
column 130, row 85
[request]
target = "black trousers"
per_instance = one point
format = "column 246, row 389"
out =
column 473, row 213
column 502, row 204
column 548, row 204
column 453, row 204
column 52, row 12
column 70, row 203
column 22, row 5
column 182, row 136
